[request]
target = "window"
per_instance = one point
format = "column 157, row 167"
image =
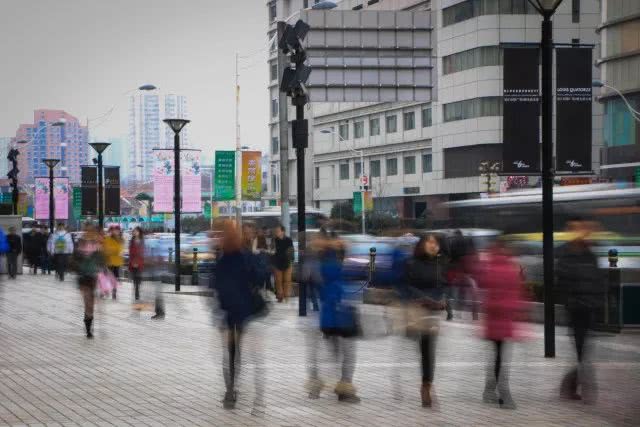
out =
column 374, row 127
column 470, row 108
column 275, row 145
column 274, row 108
column 316, row 181
column 427, row 163
column 575, row 11
column 484, row 56
column 374, row 168
column 426, row 117
column 409, row 120
column 272, row 12
column 358, row 170
column 471, row 8
column 305, row 4
column 344, row 171
column 409, row 165
column 274, row 71
column 343, row 131
column 392, row 167
column 358, row 130
column 392, row 124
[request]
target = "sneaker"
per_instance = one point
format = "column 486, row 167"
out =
column 229, row 401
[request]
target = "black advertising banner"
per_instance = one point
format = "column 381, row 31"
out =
column 521, row 112
column 573, row 109
column 112, row 190
column 89, row 185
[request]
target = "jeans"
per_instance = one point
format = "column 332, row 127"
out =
column 12, row 264
column 136, row 275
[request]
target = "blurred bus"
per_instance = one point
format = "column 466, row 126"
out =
column 270, row 218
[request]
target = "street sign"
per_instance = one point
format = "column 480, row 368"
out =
column 77, row 202
column 369, row 56
column 364, row 180
column 6, row 198
column 225, row 175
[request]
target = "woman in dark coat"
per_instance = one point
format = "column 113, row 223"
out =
column 425, row 279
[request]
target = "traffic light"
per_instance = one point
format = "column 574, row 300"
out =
column 295, row 77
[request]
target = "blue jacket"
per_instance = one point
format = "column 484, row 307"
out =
column 235, row 278
column 331, row 291
column 4, row 244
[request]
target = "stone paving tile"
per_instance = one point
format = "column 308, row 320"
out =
column 138, row 372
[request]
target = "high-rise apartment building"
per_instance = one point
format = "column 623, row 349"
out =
column 619, row 63
column 420, row 154
column 5, row 146
column 67, row 143
column 147, row 131
column 175, row 107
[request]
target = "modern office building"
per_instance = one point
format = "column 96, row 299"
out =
column 175, row 107
column 117, row 155
column 148, row 132
column 67, row 143
column 420, row 154
column 5, row 146
column 620, row 70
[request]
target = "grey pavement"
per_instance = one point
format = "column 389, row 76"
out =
column 138, row 372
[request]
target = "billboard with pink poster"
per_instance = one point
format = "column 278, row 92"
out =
column 61, row 190
column 191, row 181
column 163, row 181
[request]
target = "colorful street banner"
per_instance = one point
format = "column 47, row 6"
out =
column 207, row 210
column 357, row 201
column 163, row 181
column 112, row 190
column 574, row 68
column 89, row 190
column 61, row 190
column 77, row 202
column 251, row 175
column 521, row 112
column 225, row 175
column 191, row 180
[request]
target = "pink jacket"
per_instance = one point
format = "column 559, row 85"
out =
column 503, row 286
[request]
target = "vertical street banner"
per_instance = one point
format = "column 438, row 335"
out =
column 89, row 190
column 163, row 181
column 251, row 175
column 112, row 190
column 521, row 112
column 357, row 202
column 573, row 109
column 61, row 190
column 225, row 175
column 191, row 180
column 77, row 202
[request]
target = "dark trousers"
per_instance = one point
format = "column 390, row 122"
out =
column 136, row 276
column 60, row 261
column 231, row 358
column 12, row 264
column 428, row 354
column 116, row 273
column 580, row 322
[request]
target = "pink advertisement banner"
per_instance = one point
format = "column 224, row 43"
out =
column 61, row 189
column 190, row 172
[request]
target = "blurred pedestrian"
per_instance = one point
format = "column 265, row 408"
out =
column 339, row 321
column 136, row 260
column 425, row 278
column 282, row 261
column 89, row 263
column 41, row 249
column 236, row 289
column 500, row 277
column 262, row 248
column 578, row 276
column 15, row 249
column 59, row 248
column 113, row 250
column 31, row 251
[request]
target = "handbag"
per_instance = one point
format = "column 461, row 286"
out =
column 420, row 321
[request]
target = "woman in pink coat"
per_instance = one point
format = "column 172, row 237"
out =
column 502, row 283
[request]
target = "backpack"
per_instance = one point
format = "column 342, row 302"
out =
column 60, row 244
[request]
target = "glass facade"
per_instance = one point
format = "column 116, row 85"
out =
column 472, row 8
column 620, row 127
column 484, row 56
column 471, row 108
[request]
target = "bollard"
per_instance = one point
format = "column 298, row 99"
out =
column 194, row 273
column 612, row 300
column 170, row 256
column 372, row 264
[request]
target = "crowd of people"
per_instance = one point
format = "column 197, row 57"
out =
column 426, row 274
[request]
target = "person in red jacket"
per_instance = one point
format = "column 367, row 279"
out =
column 500, row 277
column 136, row 260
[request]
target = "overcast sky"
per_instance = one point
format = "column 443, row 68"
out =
column 83, row 55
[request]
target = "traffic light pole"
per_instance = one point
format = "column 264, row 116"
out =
column 283, row 126
column 300, row 135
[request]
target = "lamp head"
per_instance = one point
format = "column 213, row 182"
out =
column 51, row 163
column 326, row 131
column 176, row 125
column 597, row 83
column 545, row 6
column 59, row 123
column 99, row 146
column 22, row 141
column 147, row 87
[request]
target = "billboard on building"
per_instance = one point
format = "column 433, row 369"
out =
column 521, row 111
column 573, row 109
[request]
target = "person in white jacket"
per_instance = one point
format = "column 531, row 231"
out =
column 60, row 246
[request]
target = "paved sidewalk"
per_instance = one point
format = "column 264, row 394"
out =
column 142, row 372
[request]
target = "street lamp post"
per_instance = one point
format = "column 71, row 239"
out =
column 100, row 147
column 363, row 216
column 176, row 126
column 634, row 113
column 547, row 8
column 51, row 163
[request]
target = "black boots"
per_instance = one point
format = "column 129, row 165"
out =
column 87, row 324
